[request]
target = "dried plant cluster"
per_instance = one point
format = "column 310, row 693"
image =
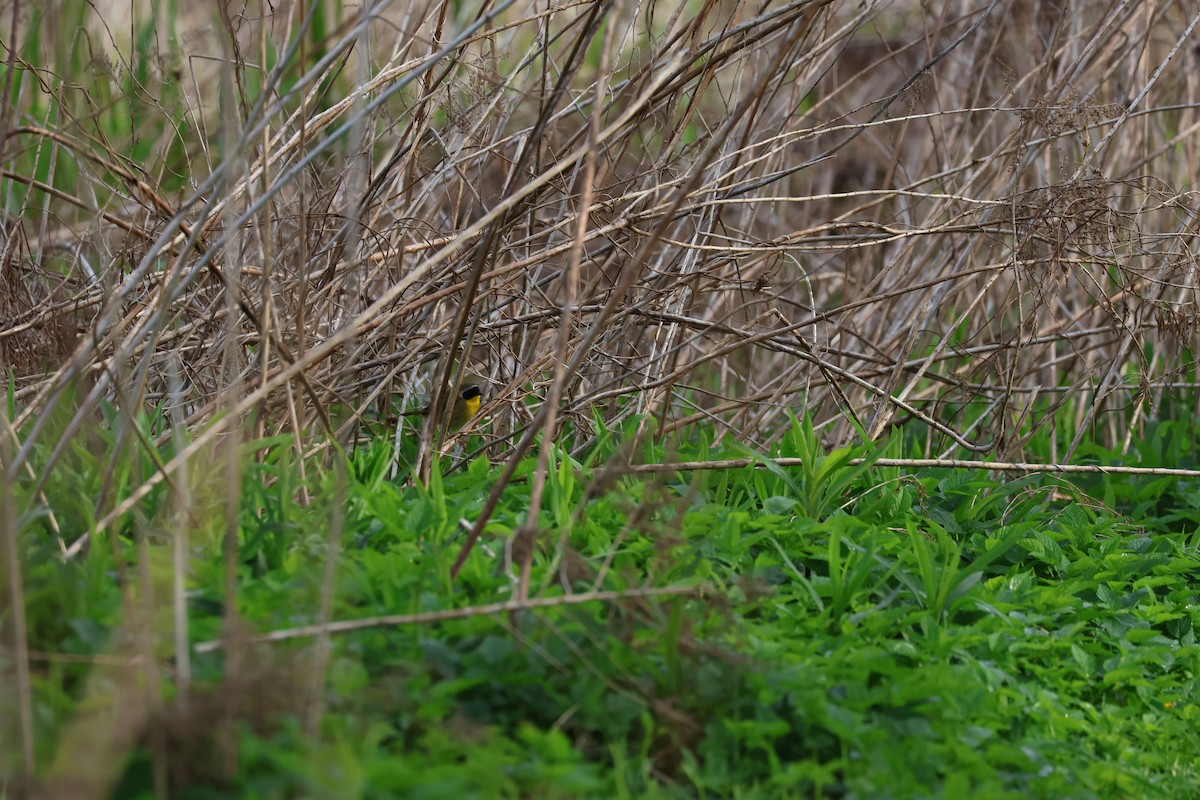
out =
column 978, row 214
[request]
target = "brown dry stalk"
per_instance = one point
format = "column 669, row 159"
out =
column 488, row 610
column 914, row 463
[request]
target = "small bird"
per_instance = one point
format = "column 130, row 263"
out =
column 466, row 405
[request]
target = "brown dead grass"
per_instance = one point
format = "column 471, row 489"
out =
column 981, row 217
column 710, row 224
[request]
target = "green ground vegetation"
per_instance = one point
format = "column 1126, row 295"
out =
column 842, row 630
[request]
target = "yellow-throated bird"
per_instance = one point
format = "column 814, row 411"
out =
column 466, row 405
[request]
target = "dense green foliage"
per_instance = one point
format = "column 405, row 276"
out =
column 857, row 632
